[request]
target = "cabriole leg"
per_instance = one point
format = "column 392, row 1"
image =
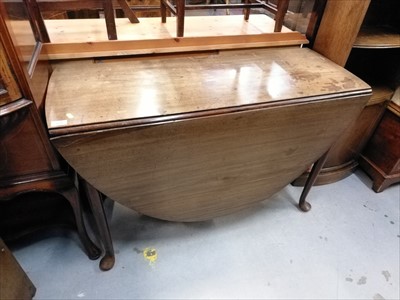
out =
column 96, row 204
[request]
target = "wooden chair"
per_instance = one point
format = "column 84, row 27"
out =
column 178, row 9
column 35, row 7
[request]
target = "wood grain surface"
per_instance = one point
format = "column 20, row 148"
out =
column 377, row 38
column 79, row 38
column 339, row 28
column 189, row 139
column 169, row 86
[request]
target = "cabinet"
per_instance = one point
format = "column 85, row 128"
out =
column 370, row 50
column 375, row 57
column 28, row 163
column 381, row 157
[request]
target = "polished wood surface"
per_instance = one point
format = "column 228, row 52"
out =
column 201, row 168
column 166, row 87
column 377, row 38
column 192, row 138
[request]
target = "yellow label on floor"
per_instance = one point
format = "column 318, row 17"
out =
column 150, row 254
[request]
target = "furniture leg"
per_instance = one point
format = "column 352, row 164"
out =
column 246, row 11
column 37, row 22
column 72, row 195
column 128, row 12
column 61, row 184
column 110, row 20
column 163, row 9
column 227, row 10
column 96, row 203
column 282, row 8
column 303, row 204
column 180, row 17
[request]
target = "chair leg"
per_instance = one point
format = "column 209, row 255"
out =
column 110, row 20
column 37, row 22
column 246, row 11
column 282, row 8
column 228, row 12
column 163, row 10
column 128, row 11
column 180, row 16
column 312, row 177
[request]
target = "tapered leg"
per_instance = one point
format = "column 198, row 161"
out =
column 37, row 22
column 246, row 11
column 96, row 203
column 110, row 20
column 303, row 204
column 282, row 8
column 163, row 9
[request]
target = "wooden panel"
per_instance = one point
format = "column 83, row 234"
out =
column 171, row 45
column 14, row 283
column 22, row 149
column 88, row 38
column 200, row 168
column 164, row 87
column 339, row 28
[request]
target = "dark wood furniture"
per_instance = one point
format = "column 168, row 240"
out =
column 14, row 283
column 381, row 157
column 28, row 162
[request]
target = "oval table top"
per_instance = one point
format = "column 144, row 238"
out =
column 87, row 92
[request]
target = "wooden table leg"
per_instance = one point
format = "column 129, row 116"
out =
column 71, row 194
column 303, row 204
column 96, row 204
